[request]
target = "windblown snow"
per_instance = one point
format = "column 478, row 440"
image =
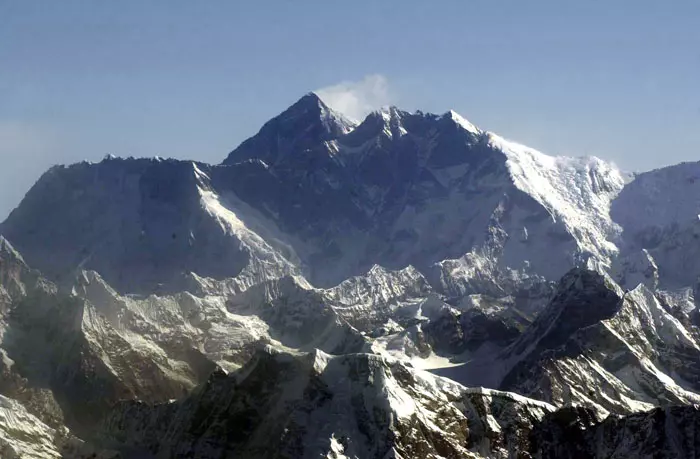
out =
column 301, row 298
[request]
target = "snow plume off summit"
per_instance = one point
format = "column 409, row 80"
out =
column 451, row 293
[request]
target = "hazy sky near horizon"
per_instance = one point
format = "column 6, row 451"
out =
column 82, row 79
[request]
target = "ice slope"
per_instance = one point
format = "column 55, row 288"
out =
column 265, row 261
column 127, row 335
column 432, row 187
column 659, row 212
column 144, row 225
column 313, row 195
column 636, row 267
column 577, row 191
column 417, row 237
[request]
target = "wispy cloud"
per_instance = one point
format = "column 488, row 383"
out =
column 355, row 99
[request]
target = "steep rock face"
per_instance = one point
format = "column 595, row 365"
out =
column 481, row 274
column 67, row 362
column 428, row 187
column 186, row 334
column 139, row 223
column 477, row 323
column 313, row 194
column 370, row 300
column 417, row 237
column 60, row 343
column 599, row 346
column 298, row 317
column 24, row 436
column 660, row 433
column 314, row 405
column 68, row 356
column 304, row 126
column 286, row 405
column 16, row 279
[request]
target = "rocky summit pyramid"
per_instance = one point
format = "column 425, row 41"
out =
column 406, row 286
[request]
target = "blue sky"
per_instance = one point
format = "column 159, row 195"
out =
column 81, row 79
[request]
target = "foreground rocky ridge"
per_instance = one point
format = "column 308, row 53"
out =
column 598, row 346
column 361, row 405
column 396, row 409
column 318, row 405
column 231, row 310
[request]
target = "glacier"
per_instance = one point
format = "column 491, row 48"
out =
column 404, row 286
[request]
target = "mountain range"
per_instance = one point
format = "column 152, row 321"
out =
column 407, row 286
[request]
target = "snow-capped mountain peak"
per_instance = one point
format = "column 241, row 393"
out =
column 463, row 122
column 392, row 118
column 304, row 125
column 283, row 302
column 398, row 189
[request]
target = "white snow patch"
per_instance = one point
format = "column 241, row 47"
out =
column 577, row 191
column 463, row 122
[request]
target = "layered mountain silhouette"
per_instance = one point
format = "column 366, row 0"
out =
column 449, row 292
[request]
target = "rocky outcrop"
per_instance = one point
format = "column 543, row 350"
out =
column 283, row 303
column 599, row 346
column 312, row 194
column 660, row 433
column 312, row 405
